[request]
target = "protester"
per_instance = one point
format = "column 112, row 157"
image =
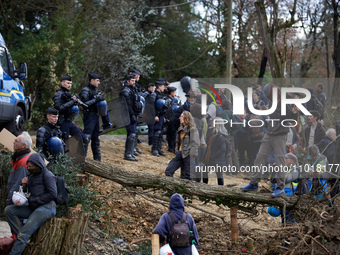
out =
column 187, row 145
column 22, row 149
column 314, row 132
column 318, row 170
column 42, row 187
column 218, row 151
column 166, row 223
column 273, row 141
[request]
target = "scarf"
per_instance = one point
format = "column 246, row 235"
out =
column 18, row 154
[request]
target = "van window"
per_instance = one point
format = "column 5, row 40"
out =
column 3, row 59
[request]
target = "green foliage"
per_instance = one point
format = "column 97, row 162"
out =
column 5, row 169
column 84, row 195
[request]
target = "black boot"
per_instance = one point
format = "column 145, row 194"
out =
column 96, row 150
column 128, row 155
column 154, row 148
column 86, row 142
column 137, row 152
column 159, row 144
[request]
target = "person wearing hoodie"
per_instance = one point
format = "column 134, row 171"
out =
column 273, row 141
column 165, row 224
column 41, row 206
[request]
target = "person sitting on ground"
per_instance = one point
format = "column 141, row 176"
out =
column 41, row 206
column 166, row 223
column 318, row 172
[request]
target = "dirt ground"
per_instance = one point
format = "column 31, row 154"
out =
column 131, row 215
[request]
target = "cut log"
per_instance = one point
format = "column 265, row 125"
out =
column 221, row 194
column 60, row 236
column 76, row 228
column 48, row 239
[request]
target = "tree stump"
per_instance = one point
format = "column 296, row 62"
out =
column 60, row 236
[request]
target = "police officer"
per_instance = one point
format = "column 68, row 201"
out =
column 132, row 98
column 137, row 75
column 156, row 149
column 171, row 130
column 51, row 129
column 141, row 92
column 90, row 96
column 67, row 105
column 150, row 93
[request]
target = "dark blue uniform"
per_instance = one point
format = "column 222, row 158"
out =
column 63, row 101
column 90, row 96
column 132, row 98
column 156, row 149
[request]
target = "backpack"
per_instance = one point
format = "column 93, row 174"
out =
column 62, row 191
column 256, row 132
column 180, row 232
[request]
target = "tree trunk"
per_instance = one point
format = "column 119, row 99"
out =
column 267, row 41
column 60, row 236
column 221, row 194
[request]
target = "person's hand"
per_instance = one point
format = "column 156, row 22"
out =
column 99, row 98
column 24, row 181
column 156, row 119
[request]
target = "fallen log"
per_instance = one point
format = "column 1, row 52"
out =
column 221, row 194
column 60, row 236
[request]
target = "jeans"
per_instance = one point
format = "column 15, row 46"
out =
column 269, row 144
column 34, row 221
column 179, row 162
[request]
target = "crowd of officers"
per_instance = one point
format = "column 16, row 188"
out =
column 59, row 128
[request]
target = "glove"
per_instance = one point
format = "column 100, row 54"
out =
column 133, row 119
column 99, row 98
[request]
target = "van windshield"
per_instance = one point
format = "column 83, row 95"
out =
column 3, row 60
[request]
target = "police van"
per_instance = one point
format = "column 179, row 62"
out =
column 15, row 107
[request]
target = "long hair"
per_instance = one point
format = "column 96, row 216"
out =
column 219, row 127
column 188, row 119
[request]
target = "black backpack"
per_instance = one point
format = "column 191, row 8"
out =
column 180, row 232
column 62, row 191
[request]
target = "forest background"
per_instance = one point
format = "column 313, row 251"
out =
column 170, row 39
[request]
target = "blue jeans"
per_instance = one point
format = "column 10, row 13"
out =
column 34, row 221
